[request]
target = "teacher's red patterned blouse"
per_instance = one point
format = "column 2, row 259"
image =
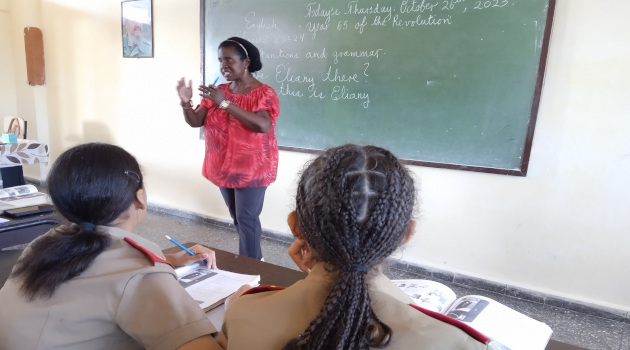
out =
column 237, row 157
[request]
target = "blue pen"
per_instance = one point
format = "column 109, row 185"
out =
column 184, row 248
column 215, row 81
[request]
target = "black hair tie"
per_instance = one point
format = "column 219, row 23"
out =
column 358, row 267
column 87, row 226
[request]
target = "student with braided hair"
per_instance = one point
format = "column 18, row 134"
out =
column 354, row 208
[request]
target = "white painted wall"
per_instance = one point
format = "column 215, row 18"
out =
column 563, row 229
column 8, row 99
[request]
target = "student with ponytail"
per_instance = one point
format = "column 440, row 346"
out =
column 93, row 284
column 354, row 208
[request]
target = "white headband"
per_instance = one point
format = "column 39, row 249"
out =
column 242, row 47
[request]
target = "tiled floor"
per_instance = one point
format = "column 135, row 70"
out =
column 568, row 326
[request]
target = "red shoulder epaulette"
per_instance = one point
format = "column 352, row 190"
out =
column 152, row 256
column 261, row 289
column 457, row 323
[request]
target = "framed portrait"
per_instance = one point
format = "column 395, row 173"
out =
column 137, row 28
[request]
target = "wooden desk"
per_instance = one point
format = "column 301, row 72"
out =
column 281, row 276
column 21, row 231
column 24, row 230
column 23, row 152
column 556, row 345
column 269, row 274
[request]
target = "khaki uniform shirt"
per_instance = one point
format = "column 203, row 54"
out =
column 122, row 301
column 268, row 320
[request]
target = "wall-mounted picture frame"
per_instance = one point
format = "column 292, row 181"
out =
column 137, row 28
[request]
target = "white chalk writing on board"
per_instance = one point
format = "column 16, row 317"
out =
column 455, row 79
column 350, row 17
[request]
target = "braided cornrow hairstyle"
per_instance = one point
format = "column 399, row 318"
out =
column 354, row 205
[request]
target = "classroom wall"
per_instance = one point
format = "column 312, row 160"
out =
column 562, row 230
column 31, row 101
column 8, row 104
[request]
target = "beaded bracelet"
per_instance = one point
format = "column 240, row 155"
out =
column 186, row 105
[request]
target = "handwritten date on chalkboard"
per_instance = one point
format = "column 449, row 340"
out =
column 446, row 83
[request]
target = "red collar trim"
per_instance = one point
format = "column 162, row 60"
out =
column 152, row 256
column 459, row 324
column 261, row 289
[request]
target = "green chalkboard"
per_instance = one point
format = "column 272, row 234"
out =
column 445, row 83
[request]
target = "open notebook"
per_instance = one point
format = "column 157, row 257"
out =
column 210, row 287
column 21, row 196
column 508, row 328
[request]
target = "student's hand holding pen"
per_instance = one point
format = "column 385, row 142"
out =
column 182, row 258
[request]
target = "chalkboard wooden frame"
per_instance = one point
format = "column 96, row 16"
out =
column 531, row 122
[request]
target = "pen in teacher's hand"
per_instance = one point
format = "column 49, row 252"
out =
column 184, row 248
column 215, row 81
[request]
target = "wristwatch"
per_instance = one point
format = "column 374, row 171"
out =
column 224, row 104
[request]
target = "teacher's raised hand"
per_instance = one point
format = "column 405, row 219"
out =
column 194, row 116
column 184, row 92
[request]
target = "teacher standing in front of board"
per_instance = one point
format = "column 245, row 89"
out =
column 239, row 120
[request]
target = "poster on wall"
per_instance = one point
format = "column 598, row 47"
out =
column 137, row 29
